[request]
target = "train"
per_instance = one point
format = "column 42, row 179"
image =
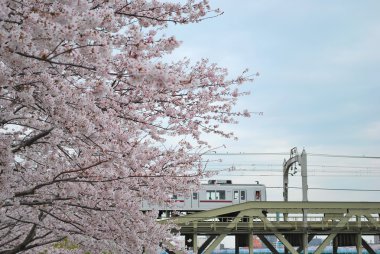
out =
column 214, row 194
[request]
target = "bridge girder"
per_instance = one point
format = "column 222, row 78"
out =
column 267, row 218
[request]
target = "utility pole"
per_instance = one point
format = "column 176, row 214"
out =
column 303, row 164
column 290, row 165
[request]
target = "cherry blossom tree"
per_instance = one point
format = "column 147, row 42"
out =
column 93, row 121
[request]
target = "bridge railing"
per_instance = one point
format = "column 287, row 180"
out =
column 273, row 219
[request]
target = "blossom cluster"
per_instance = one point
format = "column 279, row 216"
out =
column 87, row 108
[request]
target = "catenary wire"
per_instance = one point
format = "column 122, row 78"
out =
column 287, row 153
column 329, row 189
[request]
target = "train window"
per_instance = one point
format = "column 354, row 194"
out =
column 236, row 194
column 220, row 195
column 242, row 195
column 174, row 196
column 195, row 195
column 258, row 195
column 216, row 195
column 210, row 195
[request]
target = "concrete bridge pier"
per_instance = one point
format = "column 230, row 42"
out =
column 244, row 240
column 342, row 240
column 191, row 241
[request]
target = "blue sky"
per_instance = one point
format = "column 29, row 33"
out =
column 319, row 65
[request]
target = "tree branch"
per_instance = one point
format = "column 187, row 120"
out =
column 33, row 139
column 28, row 239
column 54, row 62
column 63, row 220
column 55, row 180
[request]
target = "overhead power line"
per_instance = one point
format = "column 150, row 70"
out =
column 273, row 171
column 344, row 156
column 279, row 166
column 240, row 154
column 366, row 190
column 330, row 175
column 325, row 170
column 287, row 154
column 344, row 166
column 329, row 189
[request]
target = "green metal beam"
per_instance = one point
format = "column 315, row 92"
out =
column 325, row 243
column 371, row 219
column 250, row 243
column 286, row 243
column 285, row 207
column 309, row 238
column 207, row 222
column 341, row 224
column 206, row 243
column 368, row 247
column 230, row 226
column 268, row 244
column 359, row 247
column 305, row 243
column 215, row 243
column 195, row 243
column 279, row 236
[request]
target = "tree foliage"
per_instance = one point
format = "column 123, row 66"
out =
column 88, row 110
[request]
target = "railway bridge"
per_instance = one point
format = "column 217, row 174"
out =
column 295, row 224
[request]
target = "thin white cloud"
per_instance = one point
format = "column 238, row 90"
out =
column 318, row 86
column 372, row 131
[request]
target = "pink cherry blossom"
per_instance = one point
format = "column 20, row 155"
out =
column 88, row 109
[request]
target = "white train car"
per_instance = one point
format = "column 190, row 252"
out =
column 213, row 195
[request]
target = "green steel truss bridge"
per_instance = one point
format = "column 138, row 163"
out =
column 293, row 223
